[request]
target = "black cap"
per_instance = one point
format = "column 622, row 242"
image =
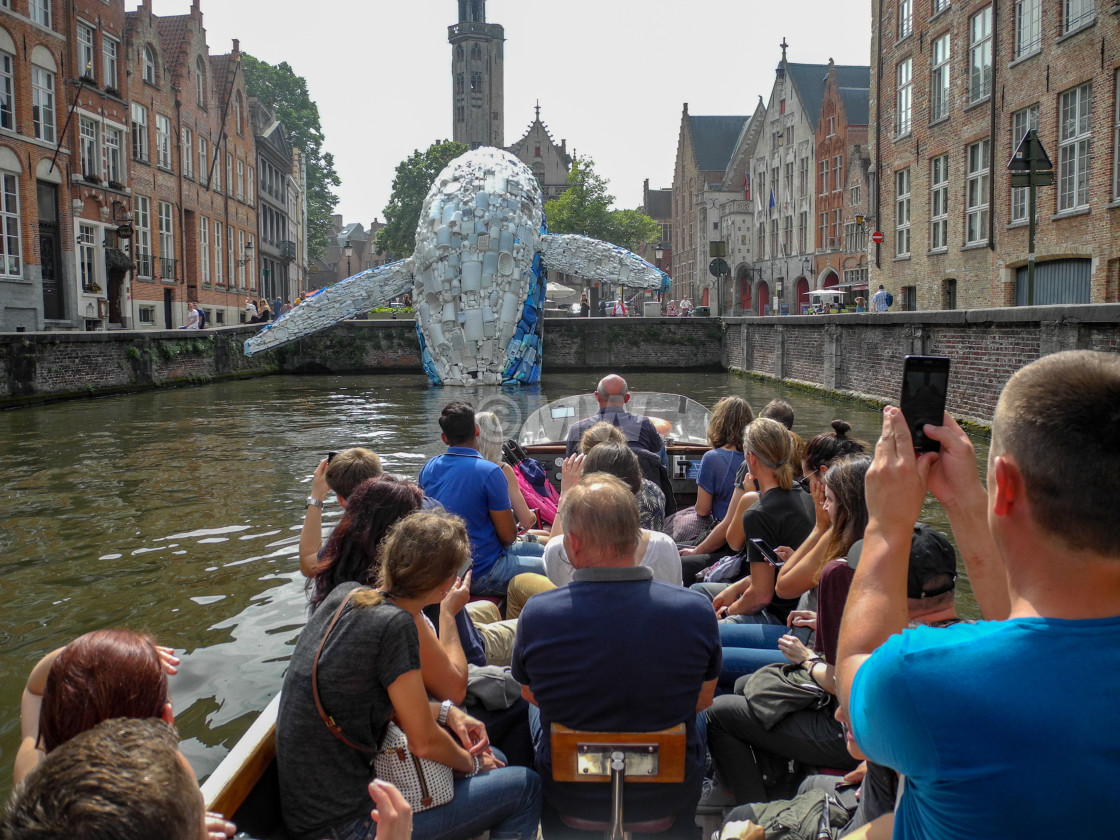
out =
column 933, row 563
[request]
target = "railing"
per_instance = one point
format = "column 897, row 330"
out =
column 167, row 268
column 143, row 264
column 288, row 249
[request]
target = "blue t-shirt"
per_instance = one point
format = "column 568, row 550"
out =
column 1002, row 729
column 717, row 476
column 618, row 651
column 470, row 486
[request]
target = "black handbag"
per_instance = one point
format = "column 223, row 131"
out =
column 776, row 691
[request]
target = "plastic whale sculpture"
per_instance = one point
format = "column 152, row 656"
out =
column 476, row 277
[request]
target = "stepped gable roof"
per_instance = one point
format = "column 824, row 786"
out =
column 174, row 36
column 659, row 204
column 221, row 69
column 713, row 139
column 857, row 104
column 810, row 81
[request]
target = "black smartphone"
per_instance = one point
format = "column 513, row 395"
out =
column 925, row 380
column 801, row 633
column 330, row 456
column 768, row 554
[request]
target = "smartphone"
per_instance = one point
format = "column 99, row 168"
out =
column 801, row 633
column 925, row 379
column 330, row 456
column 768, row 554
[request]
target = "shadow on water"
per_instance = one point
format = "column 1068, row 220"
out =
column 178, row 513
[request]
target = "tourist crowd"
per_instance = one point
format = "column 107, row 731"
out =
column 798, row 624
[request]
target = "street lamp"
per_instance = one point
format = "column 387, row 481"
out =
column 247, row 254
column 348, row 250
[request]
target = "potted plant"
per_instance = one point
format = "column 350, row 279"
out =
column 92, row 288
column 112, row 91
column 116, row 185
column 93, row 179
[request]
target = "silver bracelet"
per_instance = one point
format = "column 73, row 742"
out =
column 444, row 709
column 477, row 766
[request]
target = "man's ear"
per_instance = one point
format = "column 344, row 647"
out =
column 168, row 715
column 626, row 399
column 443, row 437
column 1008, row 485
column 341, row 501
column 477, row 430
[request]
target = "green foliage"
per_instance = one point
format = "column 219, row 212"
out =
column 294, row 107
column 585, row 208
column 410, row 186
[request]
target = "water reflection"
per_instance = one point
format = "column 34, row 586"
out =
column 178, row 512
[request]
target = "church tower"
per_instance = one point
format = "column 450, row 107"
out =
column 477, row 77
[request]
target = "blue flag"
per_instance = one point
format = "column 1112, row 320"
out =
column 771, row 202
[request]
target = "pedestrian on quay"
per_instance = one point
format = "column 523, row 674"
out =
column 882, row 300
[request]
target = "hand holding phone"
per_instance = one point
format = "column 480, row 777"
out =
column 925, row 381
column 768, row 554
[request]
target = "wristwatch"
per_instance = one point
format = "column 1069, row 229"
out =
column 312, row 501
column 444, row 708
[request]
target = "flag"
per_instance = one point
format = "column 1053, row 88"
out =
column 758, row 204
column 771, row 202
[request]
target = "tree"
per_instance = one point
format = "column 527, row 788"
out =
column 414, row 178
column 585, row 208
column 287, row 93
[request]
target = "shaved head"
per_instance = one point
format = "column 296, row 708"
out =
column 612, row 390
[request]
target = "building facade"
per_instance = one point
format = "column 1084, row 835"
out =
column 477, row 77
column 957, row 86
column 280, row 205
column 549, row 161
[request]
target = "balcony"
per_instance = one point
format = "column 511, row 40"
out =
column 167, row 268
column 143, row 264
column 287, row 249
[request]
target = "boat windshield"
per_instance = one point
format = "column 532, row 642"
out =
column 678, row 419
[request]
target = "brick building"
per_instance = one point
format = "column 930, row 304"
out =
column 477, row 77
column 279, row 204
column 957, row 86
column 841, row 188
column 193, row 173
column 658, row 205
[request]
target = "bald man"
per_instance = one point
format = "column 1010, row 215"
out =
column 612, row 394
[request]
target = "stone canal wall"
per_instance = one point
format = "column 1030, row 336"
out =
column 858, row 356
column 861, row 355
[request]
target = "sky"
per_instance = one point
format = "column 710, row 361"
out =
column 611, row 75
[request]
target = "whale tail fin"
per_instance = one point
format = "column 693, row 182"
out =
column 593, row 259
column 332, row 304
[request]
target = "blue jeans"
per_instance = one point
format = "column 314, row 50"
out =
column 520, row 557
column 746, row 648
column 506, row 801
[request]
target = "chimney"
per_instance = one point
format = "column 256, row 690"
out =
column 236, row 46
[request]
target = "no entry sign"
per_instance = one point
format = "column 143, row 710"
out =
column 877, row 237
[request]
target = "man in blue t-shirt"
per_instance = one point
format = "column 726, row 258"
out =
column 974, row 715
column 469, row 486
column 616, row 651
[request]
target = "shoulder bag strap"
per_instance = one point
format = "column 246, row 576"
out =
column 334, row 728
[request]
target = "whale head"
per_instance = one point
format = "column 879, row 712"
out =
column 478, row 234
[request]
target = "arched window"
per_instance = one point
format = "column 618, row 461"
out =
column 149, row 65
column 459, row 84
column 476, row 83
column 238, row 116
column 459, row 52
column 476, row 53
column 200, row 82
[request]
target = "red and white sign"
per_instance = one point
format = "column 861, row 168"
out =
column 877, row 237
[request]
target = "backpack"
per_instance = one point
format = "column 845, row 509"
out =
column 803, row 817
column 201, row 318
column 890, row 300
column 533, row 482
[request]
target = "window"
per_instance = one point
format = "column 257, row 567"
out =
column 200, row 82
column 241, row 180
column 203, row 161
column 789, row 136
column 232, row 257
column 241, row 263
column 774, row 238
column 949, row 293
column 186, row 152
column 139, row 132
column 85, row 51
column 166, row 241
column 87, row 256
column 1116, row 144
column 219, row 256
column 204, row 248
column 1075, row 14
column 1073, row 148
column 940, row 6
column 1021, row 122
column 822, row 231
column 838, row 173
column 163, row 141
column 7, row 93
column 1028, row 27
column 905, row 18
column 110, row 49
column 40, row 12
column 939, row 203
column 147, row 314
column 939, row 80
column 142, row 222
column 802, row 229
column 251, row 187
column 216, row 172
column 854, row 195
column 42, row 103
column 761, row 240
column 836, row 228
column 11, row 258
column 904, row 77
column 87, row 143
column 803, row 176
column 238, row 115
column 149, row 65
column 823, row 167
column 229, row 173
column 980, row 55
column 787, row 235
column 789, row 179
column 976, row 193
column 114, row 160
column 902, row 213
column 831, row 126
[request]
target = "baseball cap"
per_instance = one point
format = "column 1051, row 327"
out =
column 932, row 561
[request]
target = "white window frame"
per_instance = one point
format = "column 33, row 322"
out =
column 40, row 12
column 240, row 180
column 251, row 187
column 822, row 176
column 146, row 315
column 229, row 173
column 1074, row 129
column 940, row 53
column 231, row 246
column 7, row 91
column 87, row 65
column 904, row 82
column 1028, row 28
column 902, row 213
column 114, row 166
column 243, row 261
column 940, row 6
column 163, row 142
column 203, row 160
column 204, row 248
column 219, row 255
column 110, row 68
column 1116, row 141
column 1077, row 13
column 939, row 203
column 838, row 173
column 89, row 146
column 200, row 83
column 977, row 174
column 186, row 152
column 980, row 55
column 905, row 18
column 142, row 237
column 43, row 114
column 139, row 133
column 87, row 256
column 11, row 235
column 149, row 62
column 166, row 236
column 1021, row 121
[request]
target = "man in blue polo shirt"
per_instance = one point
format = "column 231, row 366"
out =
column 471, row 487
column 616, row 651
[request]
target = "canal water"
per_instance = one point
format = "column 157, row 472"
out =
column 178, row 513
